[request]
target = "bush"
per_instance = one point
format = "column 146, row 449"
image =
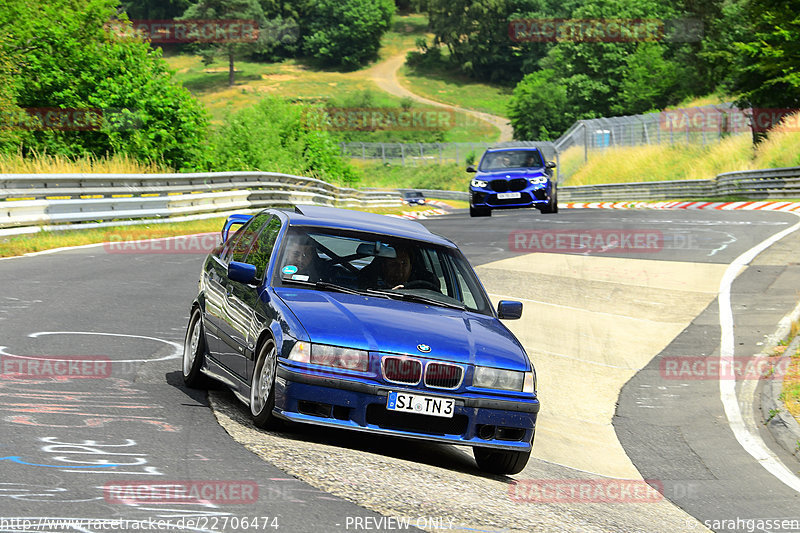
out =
column 276, row 136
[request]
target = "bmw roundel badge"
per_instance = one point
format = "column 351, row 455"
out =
column 424, row 348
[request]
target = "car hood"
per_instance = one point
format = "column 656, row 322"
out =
column 394, row 326
column 510, row 173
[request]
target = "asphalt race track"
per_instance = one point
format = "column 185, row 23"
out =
column 600, row 326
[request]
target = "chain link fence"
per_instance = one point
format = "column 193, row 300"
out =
column 695, row 125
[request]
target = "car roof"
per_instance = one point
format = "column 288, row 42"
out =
column 331, row 217
column 514, row 149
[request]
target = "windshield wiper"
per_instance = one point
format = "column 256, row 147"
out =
column 324, row 285
column 415, row 298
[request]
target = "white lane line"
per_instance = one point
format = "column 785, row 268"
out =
column 750, row 440
column 177, row 353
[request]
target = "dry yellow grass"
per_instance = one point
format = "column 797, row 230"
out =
column 791, row 387
column 56, row 164
column 683, row 162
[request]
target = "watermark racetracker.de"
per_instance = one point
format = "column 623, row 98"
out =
column 201, row 243
column 55, row 366
column 70, row 119
column 586, row 491
column 604, row 30
column 227, row 492
column 713, row 368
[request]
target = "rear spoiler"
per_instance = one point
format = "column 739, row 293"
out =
column 233, row 220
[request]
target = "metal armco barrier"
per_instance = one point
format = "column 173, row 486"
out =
column 774, row 183
column 47, row 199
column 32, row 200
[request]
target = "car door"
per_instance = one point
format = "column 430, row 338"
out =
column 242, row 298
column 227, row 352
column 215, row 277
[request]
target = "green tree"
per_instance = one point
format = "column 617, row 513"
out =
column 66, row 57
column 769, row 76
column 230, row 48
column 477, row 37
column 154, row 9
column 347, row 33
column 537, row 108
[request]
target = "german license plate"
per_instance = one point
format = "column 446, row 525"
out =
column 421, row 405
column 508, row 195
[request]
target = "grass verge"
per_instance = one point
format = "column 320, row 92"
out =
column 48, row 240
column 680, row 161
column 454, row 89
column 791, row 382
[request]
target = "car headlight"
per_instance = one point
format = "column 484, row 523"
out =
column 480, row 184
column 333, row 356
column 494, row 378
column 538, row 180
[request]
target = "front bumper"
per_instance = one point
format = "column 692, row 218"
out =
column 477, row 421
column 533, row 196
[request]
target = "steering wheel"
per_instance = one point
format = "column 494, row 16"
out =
column 421, row 284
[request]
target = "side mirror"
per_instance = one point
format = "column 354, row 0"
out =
column 242, row 272
column 550, row 164
column 471, row 168
column 509, row 309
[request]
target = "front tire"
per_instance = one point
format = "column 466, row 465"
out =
column 262, row 387
column 552, row 205
column 503, row 462
column 194, row 353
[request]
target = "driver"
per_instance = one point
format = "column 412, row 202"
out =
column 396, row 273
column 301, row 259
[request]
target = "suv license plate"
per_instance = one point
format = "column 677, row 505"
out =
column 422, row 405
column 508, row 195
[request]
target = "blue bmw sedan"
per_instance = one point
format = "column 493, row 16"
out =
column 509, row 178
column 363, row 322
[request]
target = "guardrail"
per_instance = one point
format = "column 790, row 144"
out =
column 44, row 200
column 775, row 183
column 59, row 201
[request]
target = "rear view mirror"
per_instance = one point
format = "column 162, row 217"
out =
column 509, row 309
column 471, row 168
column 550, row 164
column 376, row 250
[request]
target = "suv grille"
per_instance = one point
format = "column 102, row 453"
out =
column 402, row 370
column 514, row 185
column 443, row 375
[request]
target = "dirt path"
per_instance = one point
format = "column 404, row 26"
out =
column 384, row 74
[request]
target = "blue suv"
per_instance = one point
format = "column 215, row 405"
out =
column 508, row 178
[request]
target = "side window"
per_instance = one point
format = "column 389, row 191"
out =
column 260, row 253
column 243, row 240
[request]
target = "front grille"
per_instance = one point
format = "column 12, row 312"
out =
column 517, row 184
column 499, row 185
column 404, row 370
column 378, row 415
column 513, row 185
column 443, row 375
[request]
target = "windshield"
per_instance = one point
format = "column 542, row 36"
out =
column 511, row 159
column 380, row 266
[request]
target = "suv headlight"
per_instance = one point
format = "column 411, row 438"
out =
column 494, row 378
column 538, row 180
column 333, row 356
column 480, row 184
